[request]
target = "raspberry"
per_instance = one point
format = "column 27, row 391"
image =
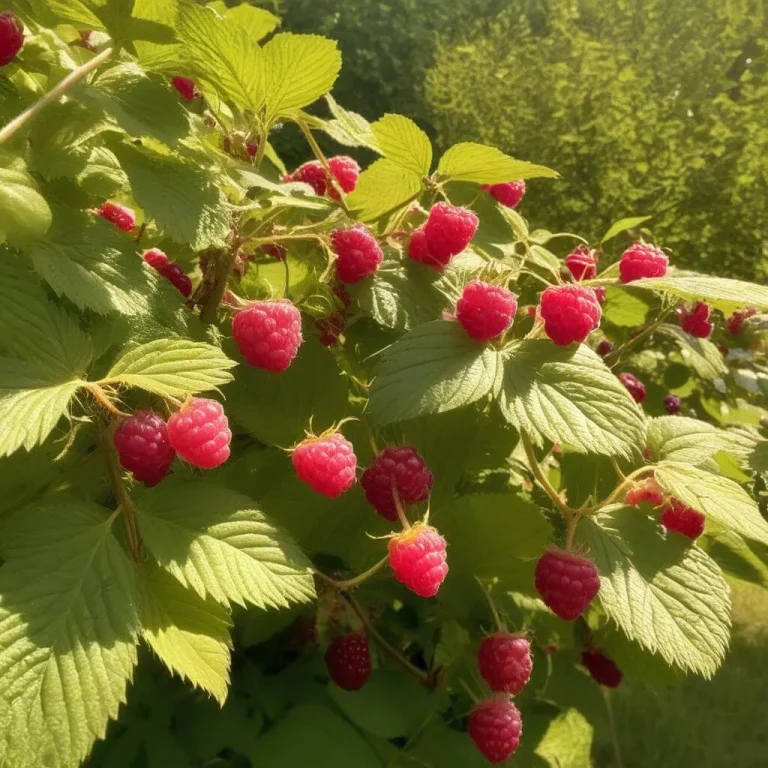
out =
column 567, row 583
column 735, row 323
column 199, row 431
column 602, row 669
column 642, row 260
column 696, row 321
column 570, row 313
column 649, row 491
column 346, row 172
column 681, row 519
column 509, row 194
column 485, row 311
column 122, row 217
column 582, row 263
column 169, row 270
column 327, row 463
column 342, row 294
column 311, row 173
column 330, row 328
column 604, row 348
column 504, row 661
column 142, row 445
column 11, row 37
column 275, row 250
column 359, row 254
column 417, row 557
column 251, row 147
column 600, row 293
column 418, row 249
column 634, row 386
column 401, row 467
column 672, row 404
column 449, row 230
column 495, row 726
column 348, row 660
column 268, row 334
column 185, row 87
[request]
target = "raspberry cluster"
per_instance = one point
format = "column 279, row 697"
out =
column 446, row 233
column 485, row 311
column 268, row 334
column 570, row 313
column 696, row 320
column 169, row 270
column 119, row 215
column 344, row 170
column 509, row 193
column 11, row 37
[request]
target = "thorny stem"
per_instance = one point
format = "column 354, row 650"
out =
column 343, row 586
column 613, row 358
column 318, row 153
column 100, row 396
column 494, row 611
column 541, row 478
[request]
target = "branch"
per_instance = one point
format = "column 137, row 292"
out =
column 615, row 356
column 343, row 586
column 541, row 478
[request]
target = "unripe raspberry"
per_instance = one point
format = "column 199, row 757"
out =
column 169, row 270
column 359, row 254
column 634, row 386
column 417, row 558
column 570, row 313
column 649, row 491
column 681, row 519
column 604, row 348
column 567, row 583
column 672, row 404
column 582, row 263
column 186, row 87
column 346, row 172
column 199, row 432
column 327, row 463
column 509, row 193
column 348, row 660
column 602, row 669
column 143, row 447
column 119, row 215
column 448, row 231
column 735, row 323
column 399, row 466
column 495, row 726
column 485, row 311
column 642, row 260
column 504, row 661
column 11, row 37
column 268, row 334
column 696, row 321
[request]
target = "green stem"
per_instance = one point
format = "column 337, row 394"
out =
column 223, row 267
column 542, row 479
column 399, row 507
column 343, row 586
column 612, row 725
column 571, row 531
column 261, row 149
column 612, row 359
column 100, row 396
column 619, row 490
column 494, row 611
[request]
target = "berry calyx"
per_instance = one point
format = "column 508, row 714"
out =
column 268, row 334
column 447, row 232
column 327, row 463
column 567, row 583
column 570, row 313
column 143, row 447
column 495, row 726
column 509, row 193
column 398, row 467
column 186, row 87
column 602, row 669
column 642, row 260
column 633, row 385
column 681, row 519
column 504, row 661
column 119, row 215
column 169, row 270
column 358, row 252
column 348, row 660
column 11, row 37
column 696, row 321
column 199, row 432
column 672, row 404
column 735, row 323
column 604, row 348
column 418, row 559
column 649, row 491
column 582, row 263
column 485, row 311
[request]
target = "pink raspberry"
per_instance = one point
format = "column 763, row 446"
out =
column 735, row 323
column 582, row 263
column 418, row 249
column 681, row 519
column 696, row 321
column 417, row 558
column 311, row 173
column 449, row 230
column 509, row 193
column 567, row 583
column 604, row 348
column 11, row 37
column 123, row 218
column 400, row 467
column 634, row 386
column 570, row 313
column 268, row 334
column 495, row 726
column 251, row 147
column 359, row 254
column 348, row 660
column 642, row 260
column 142, row 445
column 672, row 404
column 649, row 491
column 326, row 463
column 485, row 311
column 504, row 661
column 169, row 270
column 185, row 87
column 199, row 432
column 602, row 669
column 346, row 172
column 600, row 293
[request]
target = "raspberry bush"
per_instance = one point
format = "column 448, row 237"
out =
column 347, row 464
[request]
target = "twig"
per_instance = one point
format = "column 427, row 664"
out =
column 494, row 611
column 618, row 490
column 399, row 507
column 100, row 396
column 571, row 531
column 347, row 584
column 613, row 358
column 538, row 473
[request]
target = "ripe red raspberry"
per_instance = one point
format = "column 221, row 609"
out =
column 495, row 726
column 582, row 263
column 634, row 386
column 251, row 147
column 169, row 270
column 417, row 558
column 600, row 293
column 735, row 323
column 567, row 583
column 449, row 230
column 346, row 172
column 11, row 37
column 649, row 491
column 327, row 463
column 642, row 260
column 485, row 311
column 681, row 519
column 604, row 348
column 399, row 466
column 199, row 431
column 359, row 254
column 509, row 194
column 185, row 87
column 672, row 404
column 142, row 445
column 348, row 660
column 123, row 218
column 602, row 669
column 570, row 313
column 696, row 321
column 504, row 661
column 268, row 334
column 418, row 249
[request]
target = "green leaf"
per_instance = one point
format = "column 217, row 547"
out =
column 568, row 395
column 216, row 542
column 68, row 628
column 663, row 592
column 382, row 188
column 690, row 441
column 75, row 12
column 567, row 742
column 347, row 127
column 622, row 225
column 480, row 163
column 434, row 368
column 625, row 307
column 404, row 143
column 24, row 214
column 700, row 354
column 257, row 22
column 190, row 635
column 174, row 367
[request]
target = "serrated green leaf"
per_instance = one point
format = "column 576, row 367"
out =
column 567, row 742
column 690, row 441
column 102, row 177
column 257, row 22
column 622, row 225
column 74, row 12
column 483, row 164
column 348, row 127
column 568, row 395
column 24, row 213
column 402, row 141
column 722, row 293
column 434, row 368
column 382, row 188
column 625, row 307
column 700, row 354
